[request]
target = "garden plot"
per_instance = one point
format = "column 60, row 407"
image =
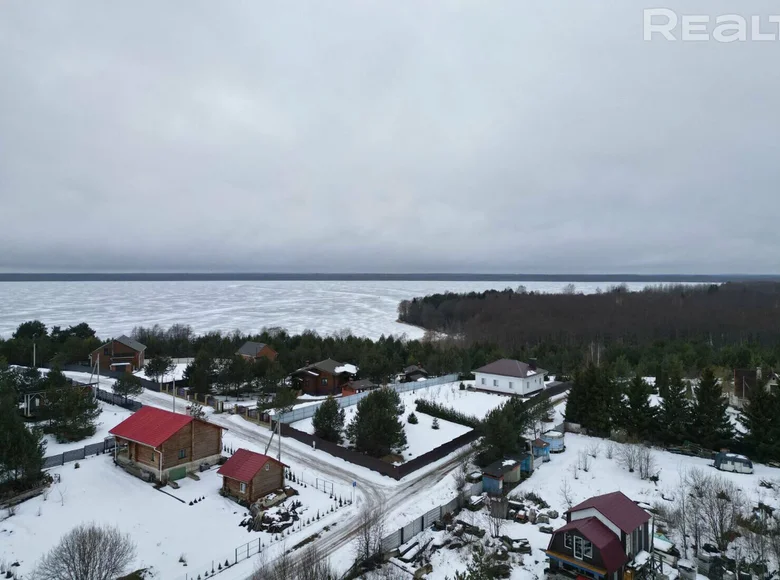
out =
column 473, row 403
column 164, row 527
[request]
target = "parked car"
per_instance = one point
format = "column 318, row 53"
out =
column 733, row 462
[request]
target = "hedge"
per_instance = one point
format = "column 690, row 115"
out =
column 446, row 413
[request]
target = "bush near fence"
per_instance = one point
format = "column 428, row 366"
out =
column 374, row 464
column 446, row 413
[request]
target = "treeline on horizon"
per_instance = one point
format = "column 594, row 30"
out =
column 730, row 325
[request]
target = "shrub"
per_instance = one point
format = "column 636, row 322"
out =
column 435, row 424
column 412, row 419
column 446, row 413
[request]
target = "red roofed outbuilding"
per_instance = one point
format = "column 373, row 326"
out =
column 162, row 445
column 602, row 538
column 248, row 476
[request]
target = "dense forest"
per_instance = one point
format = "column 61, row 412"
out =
column 729, row 325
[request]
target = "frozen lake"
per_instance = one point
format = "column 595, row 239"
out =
column 367, row 308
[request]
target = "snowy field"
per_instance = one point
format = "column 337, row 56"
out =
column 164, row 529
column 114, row 308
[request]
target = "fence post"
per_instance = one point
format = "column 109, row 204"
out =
column 236, row 555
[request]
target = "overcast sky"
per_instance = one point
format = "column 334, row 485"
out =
column 396, row 136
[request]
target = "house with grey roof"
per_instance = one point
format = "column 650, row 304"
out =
column 119, row 354
column 251, row 350
column 510, row 377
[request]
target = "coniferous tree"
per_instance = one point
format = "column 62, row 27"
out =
column 71, row 410
column 637, row 415
column 674, row 416
column 127, row 385
column 710, row 425
column 328, row 421
column 596, row 400
column 201, row 374
column 759, row 417
column 376, row 430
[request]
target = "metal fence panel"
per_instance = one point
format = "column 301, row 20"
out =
column 392, row 541
column 306, row 412
column 431, row 517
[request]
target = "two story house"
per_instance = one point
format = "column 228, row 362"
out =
column 326, row 377
column 605, row 536
column 121, row 354
column 251, row 350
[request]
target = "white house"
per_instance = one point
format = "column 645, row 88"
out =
column 510, row 377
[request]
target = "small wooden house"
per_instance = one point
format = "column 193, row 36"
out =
column 541, row 450
column 248, row 476
column 606, row 537
column 326, row 377
column 355, row 387
column 121, row 354
column 253, row 351
column 507, row 470
column 161, row 445
column 414, row 373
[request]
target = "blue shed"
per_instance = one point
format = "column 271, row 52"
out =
column 541, row 449
column 526, row 463
column 504, row 470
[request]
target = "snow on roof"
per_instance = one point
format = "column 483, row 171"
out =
column 346, row 368
column 508, row 462
column 120, row 364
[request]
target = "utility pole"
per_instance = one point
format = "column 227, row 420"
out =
column 33, row 339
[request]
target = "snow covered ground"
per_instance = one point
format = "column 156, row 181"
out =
column 110, row 417
column 114, row 308
column 163, row 528
column 177, row 374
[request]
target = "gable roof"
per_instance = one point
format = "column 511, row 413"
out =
column 510, row 368
column 414, row 369
column 250, row 348
column 243, row 465
column 150, row 426
column 129, row 342
column 617, row 508
column 604, row 539
column 327, row 366
column 540, row 443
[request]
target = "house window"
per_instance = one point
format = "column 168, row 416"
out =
column 324, row 382
column 106, row 351
column 578, row 547
column 268, row 467
column 587, row 549
column 242, row 487
column 152, row 456
column 483, row 380
column 495, row 382
column 567, row 540
column 182, row 453
column 511, row 385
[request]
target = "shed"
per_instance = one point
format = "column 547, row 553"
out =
column 248, row 476
column 541, row 449
column 556, row 441
column 526, row 463
column 494, row 475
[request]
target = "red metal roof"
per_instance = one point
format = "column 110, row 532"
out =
column 617, row 508
column 150, row 426
column 602, row 538
column 245, row 464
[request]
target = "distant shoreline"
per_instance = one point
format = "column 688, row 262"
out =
column 380, row 277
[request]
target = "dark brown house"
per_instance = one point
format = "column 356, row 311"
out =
column 248, row 476
column 326, row 377
column 605, row 537
column 414, row 373
column 120, row 354
column 164, row 445
column 355, row 387
column 254, row 350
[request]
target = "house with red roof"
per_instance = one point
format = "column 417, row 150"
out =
column 160, row 445
column 604, row 537
column 248, row 476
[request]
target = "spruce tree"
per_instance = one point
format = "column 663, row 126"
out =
column 328, row 421
column 710, row 425
column 71, row 409
column 638, row 416
column 759, row 417
column 376, row 430
column 674, row 417
column 575, row 400
column 126, row 385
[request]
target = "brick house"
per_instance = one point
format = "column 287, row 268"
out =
column 248, row 476
column 605, row 537
column 326, row 377
column 254, row 350
column 161, row 445
column 119, row 354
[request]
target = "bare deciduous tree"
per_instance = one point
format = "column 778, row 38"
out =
column 310, row 565
column 567, row 493
column 497, row 510
column 594, row 449
column 88, row 551
column 610, row 450
column 371, row 529
column 645, row 462
column 583, row 461
column 461, row 473
column 628, row 457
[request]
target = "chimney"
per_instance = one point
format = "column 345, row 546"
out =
column 532, row 364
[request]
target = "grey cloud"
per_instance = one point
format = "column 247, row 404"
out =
column 492, row 136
